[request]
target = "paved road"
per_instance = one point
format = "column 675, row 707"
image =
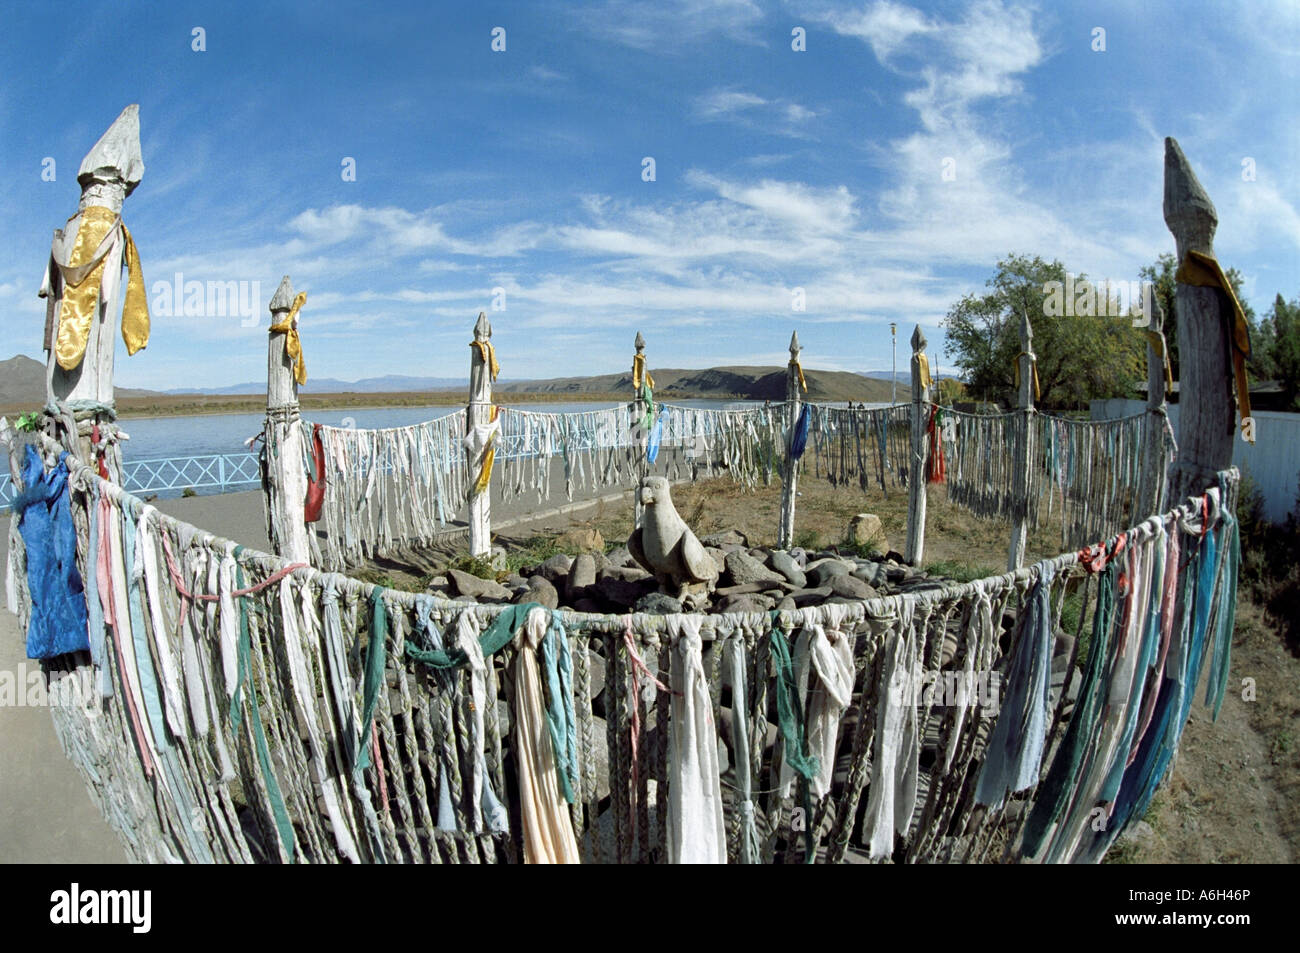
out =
column 46, row 815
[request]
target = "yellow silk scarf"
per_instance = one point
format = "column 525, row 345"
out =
column 489, row 355
column 1157, row 341
column 489, row 457
column 1034, row 360
column 292, row 341
column 923, row 368
column 639, row 373
column 1204, row 271
column 80, row 300
column 799, row 367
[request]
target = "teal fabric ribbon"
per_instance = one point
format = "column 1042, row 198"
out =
column 283, row 826
column 789, row 714
column 376, row 658
column 1055, row 790
column 494, row 638
column 557, row 670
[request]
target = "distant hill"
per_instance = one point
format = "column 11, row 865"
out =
column 388, row 384
column 22, row 384
column 752, row 383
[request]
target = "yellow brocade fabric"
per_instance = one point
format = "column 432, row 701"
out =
column 489, row 355
column 135, row 308
column 292, row 341
column 1204, row 271
column 80, row 301
column 799, row 367
column 489, row 457
column 923, row 367
column 1034, row 360
column 639, row 373
column 1157, row 341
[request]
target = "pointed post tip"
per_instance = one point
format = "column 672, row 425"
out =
column 639, row 343
column 918, row 339
column 795, row 348
column 116, row 157
column 282, row 300
column 482, row 327
column 1189, row 212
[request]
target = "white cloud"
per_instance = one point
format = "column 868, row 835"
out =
column 778, row 116
column 671, row 27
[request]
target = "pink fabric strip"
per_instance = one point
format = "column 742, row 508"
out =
column 379, row 767
column 104, row 579
column 1168, row 595
column 639, row 670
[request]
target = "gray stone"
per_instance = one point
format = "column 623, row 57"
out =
column 809, row 597
column 718, row 556
column 851, row 588
column 729, row 537
column 622, row 592
column 744, row 568
column 800, row 557
column 866, row 571
column 822, row 571
column 556, row 568
column 539, row 590
column 581, row 575
column 786, row 565
column 470, row 585
column 658, row 603
column 745, row 602
column 626, row 573
column 515, row 581
column 439, row 582
column 620, row 558
column 787, row 604
column 865, row 530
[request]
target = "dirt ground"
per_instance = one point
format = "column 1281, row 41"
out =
column 1234, row 794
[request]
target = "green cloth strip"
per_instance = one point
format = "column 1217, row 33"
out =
column 789, row 714
column 496, row 637
column 283, row 825
column 376, row 658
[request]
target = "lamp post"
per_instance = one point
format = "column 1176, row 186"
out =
column 893, row 375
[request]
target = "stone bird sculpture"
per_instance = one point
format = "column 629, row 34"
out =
column 665, row 545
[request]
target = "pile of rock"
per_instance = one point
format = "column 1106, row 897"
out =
column 751, row 579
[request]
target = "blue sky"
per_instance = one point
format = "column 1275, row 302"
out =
column 523, row 170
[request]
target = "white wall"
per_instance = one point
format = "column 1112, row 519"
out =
column 1273, row 462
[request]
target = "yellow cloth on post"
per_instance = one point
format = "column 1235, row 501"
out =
column 489, row 355
column 923, row 369
column 1033, row 359
column 292, row 340
column 799, row 367
column 1204, row 271
column 640, row 373
column 1157, row 341
column 489, row 457
column 80, row 300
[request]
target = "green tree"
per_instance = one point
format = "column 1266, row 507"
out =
column 1284, row 348
column 1080, row 357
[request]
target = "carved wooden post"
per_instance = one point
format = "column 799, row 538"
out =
column 1024, row 448
column 916, row 500
column 1205, row 417
column 641, row 383
column 479, row 414
column 83, row 393
column 790, row 471
column 282, row 454
column 1151, row 493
